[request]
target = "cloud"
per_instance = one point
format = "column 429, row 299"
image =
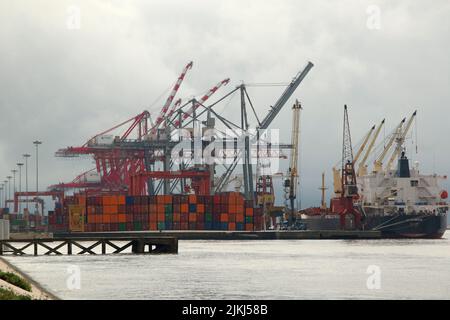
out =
column 63, row 86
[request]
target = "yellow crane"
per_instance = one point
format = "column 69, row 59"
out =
column 378, row 164
column 362, row 168
column 337, row 183
column 290, row 183
column 400, row 139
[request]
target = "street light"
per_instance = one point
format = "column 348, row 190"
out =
column 9, row 187
column 14, row 171
column 1, row 195
column 20, row 164
column 6, row 190
column 37, row 143
column 26, row 156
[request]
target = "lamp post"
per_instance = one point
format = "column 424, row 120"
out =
column 14, row 171
column 20, row 164
column 9, row 187
column 26, row 156
column 1, row 195
column 5, row 193
column 37, row 143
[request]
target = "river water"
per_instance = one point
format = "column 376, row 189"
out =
column 273, row 269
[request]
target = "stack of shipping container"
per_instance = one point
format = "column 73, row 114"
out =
column 23, row 222
column 226, row 211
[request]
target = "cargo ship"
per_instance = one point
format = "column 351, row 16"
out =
column 400, row 202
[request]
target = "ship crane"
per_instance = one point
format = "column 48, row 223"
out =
column 400, row 139
column 362, row 167
column 378, row 164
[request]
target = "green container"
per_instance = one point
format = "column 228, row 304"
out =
column 168, row 217
column 137, row 226
column 248, row 219
column 161, row 226
column 168, row 208
column 122, row 227
column 208, row 217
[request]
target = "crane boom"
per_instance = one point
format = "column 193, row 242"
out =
column 270, row 116
column 202, row 100
column 361, row 149
column 378, row 164
column 400, row 139
column 362, row 169
column 169, row 100
column 285, row 97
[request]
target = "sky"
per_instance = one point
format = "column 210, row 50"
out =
column 71, row 69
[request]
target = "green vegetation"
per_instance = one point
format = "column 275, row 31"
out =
column 9, row 295
column 15, row 280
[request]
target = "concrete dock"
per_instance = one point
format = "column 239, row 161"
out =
column 234, row 235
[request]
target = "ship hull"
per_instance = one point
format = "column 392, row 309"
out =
column 393, row 226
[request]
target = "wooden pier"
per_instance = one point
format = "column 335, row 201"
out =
column 97, row 245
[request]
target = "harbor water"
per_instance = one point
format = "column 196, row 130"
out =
column 276, row 269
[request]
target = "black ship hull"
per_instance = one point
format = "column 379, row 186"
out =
column 394, row 226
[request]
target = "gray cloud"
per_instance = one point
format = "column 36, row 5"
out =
column 63, row 86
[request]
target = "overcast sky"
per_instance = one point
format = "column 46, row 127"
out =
column 62, row 84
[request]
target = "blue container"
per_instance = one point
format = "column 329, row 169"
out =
column 192, row 207
column 129, row 200
column 208, row 226
column 240, row 226
column 168, row 225
column 224, row 226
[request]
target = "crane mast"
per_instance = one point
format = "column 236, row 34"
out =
column 378, row 164
column 362, row 168
column 400, row 139
column 292, row 180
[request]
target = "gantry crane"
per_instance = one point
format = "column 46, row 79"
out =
column 362, row 167
column 378, row 164
column 400, row 139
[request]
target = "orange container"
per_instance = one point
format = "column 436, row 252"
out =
column 122, row 218
column 192, row 217
column 167, row 199
column 161, row 217
column 121, row 200
column 223, row 217
column 160, row 208
column 200, row 208
column 240, row 218
column 106, row 218
column 153, row 217
column 240, row 209
column 232, row 208
column 184, row 208
column 249, row 212
column 114, row 218
column 153, row 226
column 231, row 226
column 249, row 227
column 110, row 209
column 176, row 217
column 192, row 198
